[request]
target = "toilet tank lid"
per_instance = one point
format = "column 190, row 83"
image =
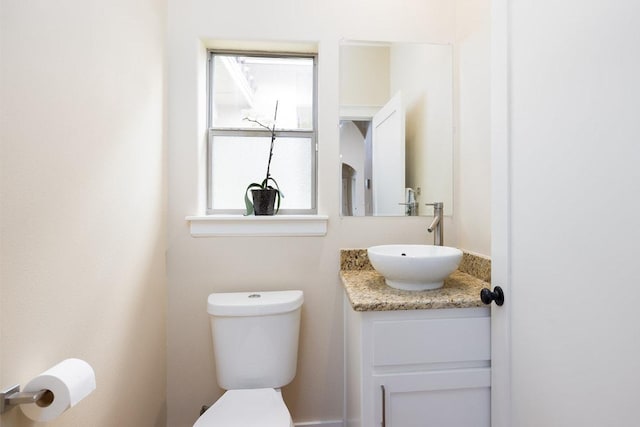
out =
column 253, row 303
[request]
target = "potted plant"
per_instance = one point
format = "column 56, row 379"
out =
column 265, row 198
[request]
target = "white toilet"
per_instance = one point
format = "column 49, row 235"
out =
column 255, row 342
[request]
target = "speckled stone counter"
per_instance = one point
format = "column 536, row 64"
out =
column 367, row 290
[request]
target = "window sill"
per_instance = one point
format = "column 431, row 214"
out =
column 277, row 225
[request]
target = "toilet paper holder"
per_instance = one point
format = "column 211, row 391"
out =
column 12, row 397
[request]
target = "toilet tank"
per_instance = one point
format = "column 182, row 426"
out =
column 255, row 337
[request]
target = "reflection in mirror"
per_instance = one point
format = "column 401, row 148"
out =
column 396, row 128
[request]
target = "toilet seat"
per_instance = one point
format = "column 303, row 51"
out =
column 262, row 407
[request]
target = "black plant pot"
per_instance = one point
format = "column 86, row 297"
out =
column 264, row 201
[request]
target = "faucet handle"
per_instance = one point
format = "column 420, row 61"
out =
column 436, row 205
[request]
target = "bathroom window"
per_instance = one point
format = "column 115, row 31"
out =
column 243, row 89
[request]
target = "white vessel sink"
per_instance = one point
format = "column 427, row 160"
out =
column 414, row 267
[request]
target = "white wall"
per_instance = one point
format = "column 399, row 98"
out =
column 364, row 75
column 82, row 184
column 574, row 151
column 472, row 164
column 197, row 267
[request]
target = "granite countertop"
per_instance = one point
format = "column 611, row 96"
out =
column 367, row 290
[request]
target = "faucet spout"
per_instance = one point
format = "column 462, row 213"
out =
column 436, row 226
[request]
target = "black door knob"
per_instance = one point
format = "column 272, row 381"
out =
column 497, row 295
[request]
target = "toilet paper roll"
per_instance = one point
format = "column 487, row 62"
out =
column 69, row 382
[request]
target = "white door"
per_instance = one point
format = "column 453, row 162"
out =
column 501, row 354
column 388, row 146
column 566, row 213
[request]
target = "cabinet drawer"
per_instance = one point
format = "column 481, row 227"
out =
column 410, row 342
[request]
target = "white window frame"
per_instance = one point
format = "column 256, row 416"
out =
column 283, row 133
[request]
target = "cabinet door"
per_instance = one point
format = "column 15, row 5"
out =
column 448, row 398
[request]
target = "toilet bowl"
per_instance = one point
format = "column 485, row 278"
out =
column 261, row 407
column 255, row 343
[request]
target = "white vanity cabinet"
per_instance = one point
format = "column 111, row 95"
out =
column 418, row 368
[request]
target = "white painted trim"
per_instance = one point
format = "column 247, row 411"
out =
column 500, row 215
column 358, row 112
column 276, row 225
column 345, row 339
column 337, row 423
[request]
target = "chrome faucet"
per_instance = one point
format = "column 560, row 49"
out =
column 437, row 223
column 411, row 203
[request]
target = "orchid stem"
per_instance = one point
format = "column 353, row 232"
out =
column 273, row 138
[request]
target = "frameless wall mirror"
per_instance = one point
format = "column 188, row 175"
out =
column 396, row 128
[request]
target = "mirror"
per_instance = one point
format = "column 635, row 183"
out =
column 396, row 128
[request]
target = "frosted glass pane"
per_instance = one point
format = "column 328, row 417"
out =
column 238, row 161
column 249, row 86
